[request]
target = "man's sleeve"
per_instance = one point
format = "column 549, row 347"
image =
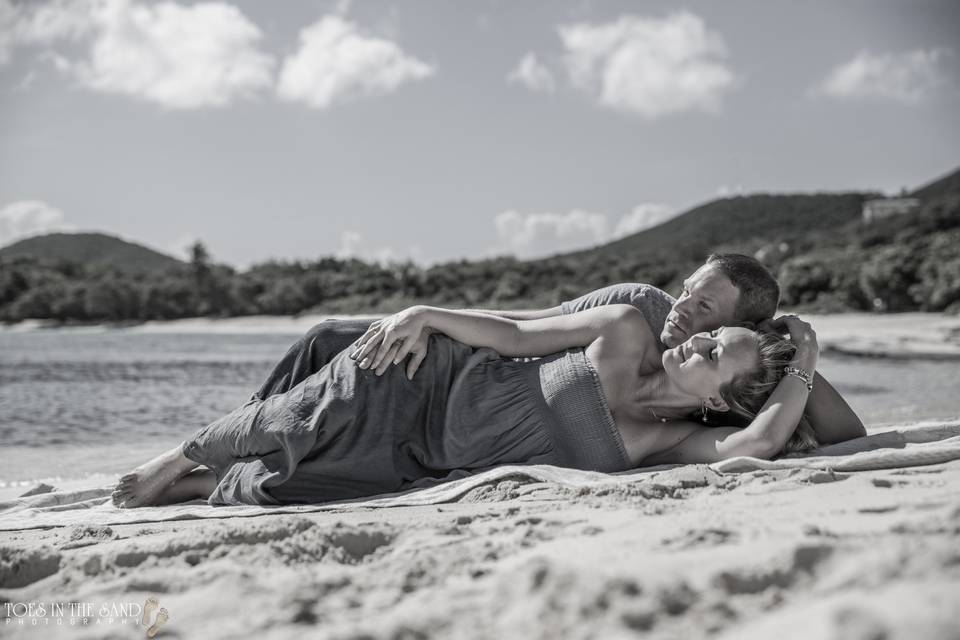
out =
column 653, row 303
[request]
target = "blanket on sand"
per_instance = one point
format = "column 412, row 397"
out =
column 911, row 445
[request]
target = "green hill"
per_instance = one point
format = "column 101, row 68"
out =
column 90, row 250
column 948, row 185
column 824, row 255
column 741, row 221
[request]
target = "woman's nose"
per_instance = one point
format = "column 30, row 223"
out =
column 702, row 343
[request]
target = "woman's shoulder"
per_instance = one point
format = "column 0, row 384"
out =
column 627, row 320
column 625, row 335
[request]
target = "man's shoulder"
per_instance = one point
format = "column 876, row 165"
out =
column 640, row 291
column 635, row 293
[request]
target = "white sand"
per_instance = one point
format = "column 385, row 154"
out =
column 683, row 553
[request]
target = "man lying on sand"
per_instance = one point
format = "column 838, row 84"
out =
column 614, row 386
column 727, row 290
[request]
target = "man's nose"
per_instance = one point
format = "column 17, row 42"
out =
column 683, row 307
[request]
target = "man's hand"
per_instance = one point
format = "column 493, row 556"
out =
column 802, row 335
column 391, row 339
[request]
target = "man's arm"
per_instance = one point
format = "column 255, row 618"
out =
column 830, row 416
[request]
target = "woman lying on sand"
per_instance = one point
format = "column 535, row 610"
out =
column 602, row 397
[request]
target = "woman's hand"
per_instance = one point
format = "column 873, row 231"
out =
column 389, row 340
column 803, row 336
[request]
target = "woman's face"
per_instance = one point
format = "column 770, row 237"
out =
column 710, row 359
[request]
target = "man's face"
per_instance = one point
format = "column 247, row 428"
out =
column 707, row 302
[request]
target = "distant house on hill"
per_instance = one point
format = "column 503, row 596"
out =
column 884, row 207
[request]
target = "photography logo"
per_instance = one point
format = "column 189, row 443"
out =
column 149, row 606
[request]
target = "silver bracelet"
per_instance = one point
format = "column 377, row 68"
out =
column 802, row 374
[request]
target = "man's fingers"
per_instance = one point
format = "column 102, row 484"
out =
column 414, row 363
column 778, row 322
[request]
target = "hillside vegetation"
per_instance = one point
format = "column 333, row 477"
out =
column 92, row 250
column 825, row 257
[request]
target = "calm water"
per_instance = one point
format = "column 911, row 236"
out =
column 75, row 402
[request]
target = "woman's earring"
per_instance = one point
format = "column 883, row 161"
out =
column 703, row 408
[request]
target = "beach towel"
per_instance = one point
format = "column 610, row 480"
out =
column 920, row 444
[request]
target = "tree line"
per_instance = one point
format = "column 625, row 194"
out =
column 902, row 263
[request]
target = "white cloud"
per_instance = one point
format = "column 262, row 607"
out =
column 48, row 22
column 350, row 245
column 529, row 235
column 181, row 57
column 642, row 217
column 908, row 77
column 728, row 191
column 336, row 61
column 8, row 20
column 25, row 218
column 354, row 245
column 532, row 74
column 537, row 234
column 649, row 66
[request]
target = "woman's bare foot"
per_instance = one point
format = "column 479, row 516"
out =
column 142, row 486
column 199, row 483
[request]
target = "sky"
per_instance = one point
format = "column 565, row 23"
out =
column 439, row 130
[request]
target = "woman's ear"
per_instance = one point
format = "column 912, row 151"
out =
column 717, row 404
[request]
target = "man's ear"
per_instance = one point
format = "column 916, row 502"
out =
column 717, row 404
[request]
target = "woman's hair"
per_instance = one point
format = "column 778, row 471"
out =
column 746, row 393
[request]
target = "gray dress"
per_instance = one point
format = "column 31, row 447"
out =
column 344, row 432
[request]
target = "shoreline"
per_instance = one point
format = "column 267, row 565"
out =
column 912, row 335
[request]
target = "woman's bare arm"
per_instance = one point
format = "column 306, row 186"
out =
column 535, row 314
column 515, row 338
column 773, row 425
column 763, row 438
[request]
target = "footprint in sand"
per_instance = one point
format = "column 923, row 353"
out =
column 162, row 616
column 149, row 606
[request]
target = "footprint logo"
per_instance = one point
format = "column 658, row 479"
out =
column 149, row 606
column 162, row 617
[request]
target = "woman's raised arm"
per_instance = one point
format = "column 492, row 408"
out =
column 773, row 425
column 392, row 339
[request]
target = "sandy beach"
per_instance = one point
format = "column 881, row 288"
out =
column 845, row 546
column 686, row 552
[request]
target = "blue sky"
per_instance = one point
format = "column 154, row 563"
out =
column 438, row 130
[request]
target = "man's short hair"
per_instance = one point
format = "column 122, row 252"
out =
column 759, row 291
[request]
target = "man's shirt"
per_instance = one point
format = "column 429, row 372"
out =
column 652, row 302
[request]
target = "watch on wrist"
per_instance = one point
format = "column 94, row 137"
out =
column 802, row 374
